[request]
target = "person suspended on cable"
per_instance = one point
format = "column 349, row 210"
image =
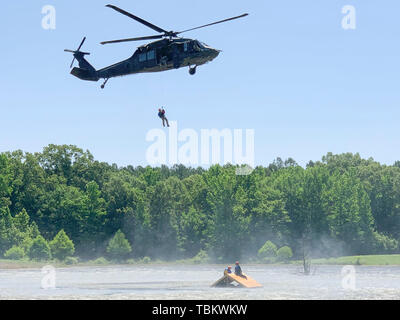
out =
column 161, row 114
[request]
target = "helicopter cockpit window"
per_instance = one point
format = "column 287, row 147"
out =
column 196, row 46
column 142, row 57
column 185, row 46
column 199, row 44
column 151, row 55
column 203, row 45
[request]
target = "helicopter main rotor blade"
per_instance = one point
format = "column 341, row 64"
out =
column 130, row 15
column 133, row 39
column 210, row 24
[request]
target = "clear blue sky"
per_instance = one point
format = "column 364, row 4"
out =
column 289, row 71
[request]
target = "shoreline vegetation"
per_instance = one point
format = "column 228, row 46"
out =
column 359, row 260
column 64, row 208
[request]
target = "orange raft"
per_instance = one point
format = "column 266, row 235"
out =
column 232, row 280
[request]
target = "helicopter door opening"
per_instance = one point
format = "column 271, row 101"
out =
column 183, row 47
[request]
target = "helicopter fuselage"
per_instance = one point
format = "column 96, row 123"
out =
column 171, row 52
column 161, row 55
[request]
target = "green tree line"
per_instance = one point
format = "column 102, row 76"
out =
column 64, row 199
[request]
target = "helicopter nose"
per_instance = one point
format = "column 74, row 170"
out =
column 214, row 53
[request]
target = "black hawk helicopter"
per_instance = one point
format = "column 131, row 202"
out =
column 171, row 52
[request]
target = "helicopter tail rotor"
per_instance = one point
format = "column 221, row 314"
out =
column 77, row 52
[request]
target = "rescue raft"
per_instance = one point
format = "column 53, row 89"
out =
column 232, row 280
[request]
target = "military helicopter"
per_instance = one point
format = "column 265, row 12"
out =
column 171, row 52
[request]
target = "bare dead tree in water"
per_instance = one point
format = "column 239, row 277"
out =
column 306, row 254
column 306, row 245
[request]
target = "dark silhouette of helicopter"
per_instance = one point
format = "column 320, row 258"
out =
column 171, row 52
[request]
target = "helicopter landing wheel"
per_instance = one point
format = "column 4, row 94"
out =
column 104, row 84
column 192, row 71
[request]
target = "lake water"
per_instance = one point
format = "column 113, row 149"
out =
column 183, row 282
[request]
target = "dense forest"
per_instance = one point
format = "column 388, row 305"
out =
column 340, row 205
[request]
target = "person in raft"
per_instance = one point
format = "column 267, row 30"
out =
column 238, row 270
column 228, row 270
